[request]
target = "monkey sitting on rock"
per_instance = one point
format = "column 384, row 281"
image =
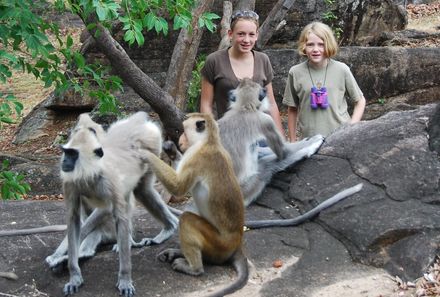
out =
column 241, row 127
column 213, row 230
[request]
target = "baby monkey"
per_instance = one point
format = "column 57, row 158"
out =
column 214, row 230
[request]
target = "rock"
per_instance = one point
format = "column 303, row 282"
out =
column 406, row 76
column 394, row 221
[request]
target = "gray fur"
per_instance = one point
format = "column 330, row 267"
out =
column 106, row 183
column 308, row 215
column 242, row 126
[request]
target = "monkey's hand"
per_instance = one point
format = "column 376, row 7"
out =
column 125, row 288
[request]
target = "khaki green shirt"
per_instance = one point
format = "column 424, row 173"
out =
column 341, row 86
column 218, row 71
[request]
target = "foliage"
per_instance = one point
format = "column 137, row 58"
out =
column 25, row 44
column 195, row 85
column 331, row 19
column 8, row 107
column 12, row 185
column 381, row 101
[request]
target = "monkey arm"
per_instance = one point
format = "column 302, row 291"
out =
column 272, row 135
column 168, row 176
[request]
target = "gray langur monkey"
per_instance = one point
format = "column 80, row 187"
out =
column 105, row 170
column 241, row 127
column 246, row 123
column 213, row 231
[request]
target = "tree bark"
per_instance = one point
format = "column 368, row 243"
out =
column 225, row 25
column 245, row 5
column 184, row 56
column 272, row 20
column 161, row 102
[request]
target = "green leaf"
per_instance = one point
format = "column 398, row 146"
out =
column 101, row 12
column 139, row 37
column 79, row 60
column 69, row 41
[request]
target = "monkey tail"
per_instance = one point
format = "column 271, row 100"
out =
column 308, row 215
column 240, row 264
column 45, row 229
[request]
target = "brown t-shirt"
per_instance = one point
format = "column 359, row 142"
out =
column 218, row 71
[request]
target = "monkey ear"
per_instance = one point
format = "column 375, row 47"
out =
column 263, row 94
column 200, row 126
column 99, row 152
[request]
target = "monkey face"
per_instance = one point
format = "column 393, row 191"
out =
column 194, row 130
column 83, row 147
column 249, row 95
column 183, row 142
column 69, row 159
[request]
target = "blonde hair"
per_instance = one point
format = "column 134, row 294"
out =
column 324, row 32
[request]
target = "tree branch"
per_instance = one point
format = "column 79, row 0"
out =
column 276, row 15
column 225, row 25
column 161, row 102
column 184, row 56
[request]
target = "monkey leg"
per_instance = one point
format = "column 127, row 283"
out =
column 87, row 249
column 125, row 283
column 59, row 256
column 270, row 164
column 169, row 255
column 73, row 234
column 151, row 200
column 200, row 240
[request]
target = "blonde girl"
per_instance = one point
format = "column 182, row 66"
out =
column 317, row 90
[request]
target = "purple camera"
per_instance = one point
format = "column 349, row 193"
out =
column 318, row 98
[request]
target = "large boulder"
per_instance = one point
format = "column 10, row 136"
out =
column 394, row 221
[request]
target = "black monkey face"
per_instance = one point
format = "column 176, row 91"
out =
column 262, row 94
column 69, row 159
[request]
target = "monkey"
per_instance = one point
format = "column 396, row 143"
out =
column 240, row 128
column 105, row 170
column 243, row 125
column 213, row 231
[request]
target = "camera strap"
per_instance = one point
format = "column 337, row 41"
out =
column 325, row 75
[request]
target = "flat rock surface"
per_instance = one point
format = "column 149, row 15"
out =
column 312, row 261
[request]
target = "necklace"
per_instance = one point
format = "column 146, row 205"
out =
column 318, row 83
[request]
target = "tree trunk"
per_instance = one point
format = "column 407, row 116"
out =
column 225, row 25
column 184, row 56
column 274, row 17
column 245, row 5
column 161, row 102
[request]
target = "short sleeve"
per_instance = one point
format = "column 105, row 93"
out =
column 208, row 69
column 290, row 97
column 351, row 86
column 268, row 70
